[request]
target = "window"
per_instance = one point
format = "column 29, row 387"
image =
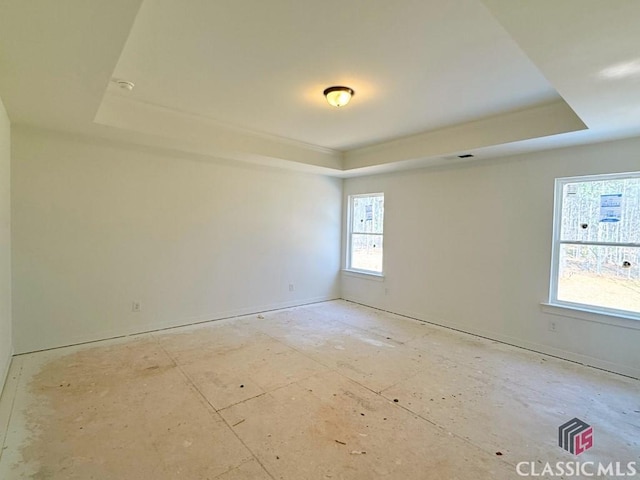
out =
column 364, row 237
column 596, row 244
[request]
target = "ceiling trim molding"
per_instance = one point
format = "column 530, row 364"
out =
column 198, row 134
column 171, row 129
column 540, row 121
column 113, row 93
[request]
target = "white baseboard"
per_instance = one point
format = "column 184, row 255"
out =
column 163, row 325
column 625, row 370
column 4, row 370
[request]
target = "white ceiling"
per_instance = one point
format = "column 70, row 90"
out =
column 243, row 79
column 415, row 65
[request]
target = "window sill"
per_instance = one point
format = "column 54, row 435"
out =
column 589, row 315
column 376, row 277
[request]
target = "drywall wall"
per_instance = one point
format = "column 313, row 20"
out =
column 6, row 349
column 98, row 226
column 469, row 247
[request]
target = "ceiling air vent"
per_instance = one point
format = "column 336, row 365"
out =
column 466, row 155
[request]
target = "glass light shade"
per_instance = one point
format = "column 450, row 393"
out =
column 338, row 96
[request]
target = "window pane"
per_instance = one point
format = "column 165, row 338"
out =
column 602, row 211
column 366, row 252
column 600, row 276
column 367, row 214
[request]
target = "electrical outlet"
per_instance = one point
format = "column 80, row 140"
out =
column 553, row 327
column 136, row 306
column 291, row 287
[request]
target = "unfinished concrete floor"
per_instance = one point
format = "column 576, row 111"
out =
column 325, row 391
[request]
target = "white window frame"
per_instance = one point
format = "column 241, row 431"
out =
column 557, row 242
column 350, row 233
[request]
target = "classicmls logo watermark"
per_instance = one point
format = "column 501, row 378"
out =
column 576, row 437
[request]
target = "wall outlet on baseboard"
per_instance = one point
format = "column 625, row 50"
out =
column 553, row 326
column 136, row 306
column 291, row 287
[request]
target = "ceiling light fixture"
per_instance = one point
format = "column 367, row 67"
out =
column 338, row 96
column 124, row 84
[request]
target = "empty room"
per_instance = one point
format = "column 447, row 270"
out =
column 319, row 240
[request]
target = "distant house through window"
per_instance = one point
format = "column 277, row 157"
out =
column 596, row 244
column 365, row 233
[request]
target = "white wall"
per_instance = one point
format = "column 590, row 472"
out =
column 470, row 247
column 98, row 225
column 6, row 349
